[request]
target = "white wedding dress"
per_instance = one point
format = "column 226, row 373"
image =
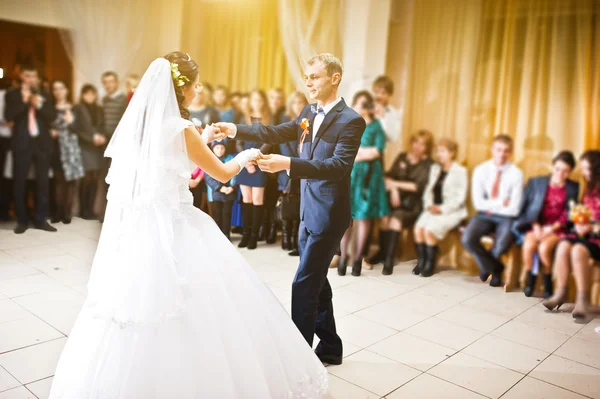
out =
column 173, row 310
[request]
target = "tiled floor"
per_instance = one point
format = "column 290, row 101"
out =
column 449, row 336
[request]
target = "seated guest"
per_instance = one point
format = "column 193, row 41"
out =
column 367, row 190
column 543, row 218
column 443, row 204
column 389, row 117
column 496, row 191
column 221, row 196
column 581, row 244
column 405, row 183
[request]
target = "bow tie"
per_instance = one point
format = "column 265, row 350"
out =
column 318, row 110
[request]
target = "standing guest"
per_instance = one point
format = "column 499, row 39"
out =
column 496, row 191
column 405, row 183
column 234, row 100
column 252, row 180
column 444, row 206
column 221, row 103
column 30, row 114
column 277, row 105
column 543, row 218
column 389, row 117
column 221, row 195
column 89, row 127
column 114, row 105
column 368, row 195
column 69, row 166
column 131, row 83
column 201, row 112
column 5, row 133
column 290, row 188
column 580, row 245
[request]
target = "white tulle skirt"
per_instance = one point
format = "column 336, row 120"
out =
column 174, row 311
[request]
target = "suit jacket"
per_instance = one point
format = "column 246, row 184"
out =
column 454, row 189
column 324, row 164
column 533, row 201
column 17, row 111
column 85, row 129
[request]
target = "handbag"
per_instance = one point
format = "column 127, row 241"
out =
column 288, row 205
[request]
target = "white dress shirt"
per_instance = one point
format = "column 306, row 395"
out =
column 321, row 116
column 391, row 123
column 511, row 189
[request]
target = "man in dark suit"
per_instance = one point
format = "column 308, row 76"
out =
column 31, row 114
column 327, row 148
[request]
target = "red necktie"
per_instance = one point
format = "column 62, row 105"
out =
column 496, row 185
column 31, row 123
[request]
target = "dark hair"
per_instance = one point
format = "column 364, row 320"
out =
column 223, row 88
column 188, row 68
column 110, row 73
column 593, row 157
column 265, row 111
column 370, row 102
column 426, row 136
column 385, row 83
column 52, row 89
column 27, row 68
column 86, row 88
column 565, row 157
column 235, row 94
column 504, row 139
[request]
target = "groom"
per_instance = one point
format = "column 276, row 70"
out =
column 328, row 146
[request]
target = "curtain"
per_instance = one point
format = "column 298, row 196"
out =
column 527, row 68
column 237, row 43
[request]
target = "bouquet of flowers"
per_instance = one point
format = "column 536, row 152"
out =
column 579, row 213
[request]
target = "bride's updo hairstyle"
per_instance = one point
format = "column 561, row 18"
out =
column 189, row 72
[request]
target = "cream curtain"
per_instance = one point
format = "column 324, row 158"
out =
column 478, row 68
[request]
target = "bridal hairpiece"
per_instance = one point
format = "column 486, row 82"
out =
column 178, row 78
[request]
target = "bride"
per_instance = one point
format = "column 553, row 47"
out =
column 173, row 310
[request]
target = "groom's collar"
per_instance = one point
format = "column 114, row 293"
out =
column 331, row 105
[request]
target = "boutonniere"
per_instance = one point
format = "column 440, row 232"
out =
column 305, row 125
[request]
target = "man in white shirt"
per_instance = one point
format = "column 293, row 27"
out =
column 389, row 117
column 496, row 191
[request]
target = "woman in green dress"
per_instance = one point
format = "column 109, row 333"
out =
column 368, row 196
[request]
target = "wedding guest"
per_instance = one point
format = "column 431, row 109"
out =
column 89, row 127
column 240, row 104
column 252, row 180
column 444, row 205
column 496, row 191
column 68, row 168
column 30, row 114
column 368, row 195
column 234, row 100
column 114, row 104
column 208, row 90
column 201, row 113
column 131, row 83
column 5, row 133
column 405, row 183
column 290, row 188
column 389, row 117
column 543, row 218
column 580, row 245
column 277, row 105
column 221, row 102
column 221, row 196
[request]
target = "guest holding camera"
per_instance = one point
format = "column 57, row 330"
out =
column 30, row 114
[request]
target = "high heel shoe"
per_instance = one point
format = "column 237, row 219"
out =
column 357, row 267
column 341, row 269
column 556, row 300
column 581, row 306
column 530, row 284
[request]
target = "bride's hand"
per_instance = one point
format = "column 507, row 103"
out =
column 225, row 129
column 209, row 133
column 247, row 156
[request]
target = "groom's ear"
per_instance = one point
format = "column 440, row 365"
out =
column 336, row 78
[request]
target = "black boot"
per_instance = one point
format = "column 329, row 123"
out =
column 530, row 284
column 391, row 245
column 259, row 212
column 357, row 267
column 430, row 261
column 247, row 218
column 421, row 258
column 548, row 287
column 380, row 255
column 342, row 267
column 285, row 235
column 294, row 239
column 272, row 237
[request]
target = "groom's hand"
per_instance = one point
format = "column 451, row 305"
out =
column 225, row 129
column 273, row 163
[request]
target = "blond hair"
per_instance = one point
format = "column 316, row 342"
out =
column 450, row 145
column 331, row 63
column 427, row 138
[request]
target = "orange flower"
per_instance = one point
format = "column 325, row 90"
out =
column 305, row 124
column 580, row 214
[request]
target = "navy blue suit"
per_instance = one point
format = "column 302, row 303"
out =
column 324, row 168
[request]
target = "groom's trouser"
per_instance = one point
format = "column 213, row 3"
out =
column 312, row 309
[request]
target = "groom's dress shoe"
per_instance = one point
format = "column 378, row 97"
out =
column 335, row 360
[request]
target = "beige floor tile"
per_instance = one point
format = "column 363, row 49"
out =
column 507, row 354
column 29, row 285
column 472, row 318
column 389, row 314
column 9, row 311
column 35, row 253
column 541, row 338
column 424, row 304
column 17, row 393
column 341, row 389
column 347, row 301
column 7, row 381
column 448, row 292
column 426, row 386
column 50, row 301
column 373, row 372
column 476, row 375
column 361, row 332
column 531, row 388
column 588, row 332
column 412, row 351
column 445, row 333
column 573, row 376
column 35, row 362
column 12, row 271
column 25, row 332
column 41, row 388
column 378, row 290
column 581, row 351
column 499, row 302
column 558, row 321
